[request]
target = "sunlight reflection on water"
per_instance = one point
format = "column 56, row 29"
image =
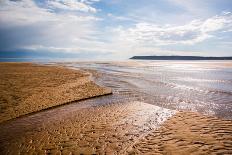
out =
column 200, row 86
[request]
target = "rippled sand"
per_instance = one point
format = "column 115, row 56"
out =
column 26, row 88
column 120, row 128
column 188, row 133
column 111, row 128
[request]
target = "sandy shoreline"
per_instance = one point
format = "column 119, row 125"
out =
column 188, row 133
column 121, row 128
column 115, row 128
column 27, row 88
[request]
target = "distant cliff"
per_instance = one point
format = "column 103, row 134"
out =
column 179, row 58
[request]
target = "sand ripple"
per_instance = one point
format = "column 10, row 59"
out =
column 188, row 133
column 107, row 129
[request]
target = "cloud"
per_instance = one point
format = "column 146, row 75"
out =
column 24, row 24
column 218, row 23
column 73, row 5
column 22, row 12
column 191, row 33
column 26, row 12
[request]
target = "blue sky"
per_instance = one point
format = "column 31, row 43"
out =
column 115, row 29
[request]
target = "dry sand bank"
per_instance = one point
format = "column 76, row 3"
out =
column 188, row 133
column 26, row 88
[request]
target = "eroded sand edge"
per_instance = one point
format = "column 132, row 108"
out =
column 26, row 88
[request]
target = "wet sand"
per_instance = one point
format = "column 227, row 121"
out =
column 27, row 88
column 121, row 128
column 188, row 133
column 110, row 128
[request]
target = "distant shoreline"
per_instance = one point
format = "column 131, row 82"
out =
column 179, row 58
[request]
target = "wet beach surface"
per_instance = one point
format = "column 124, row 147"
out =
column 141, row 117
column 200, row 86
column 187, row 133
column 88, row 130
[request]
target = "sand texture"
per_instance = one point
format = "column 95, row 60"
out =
column 26, row 88
column 188, row 133
column 119, row 128
column 110, row 129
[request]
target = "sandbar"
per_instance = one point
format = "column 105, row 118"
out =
column 27, row 88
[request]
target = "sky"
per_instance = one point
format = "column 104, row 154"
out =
column 115, row 29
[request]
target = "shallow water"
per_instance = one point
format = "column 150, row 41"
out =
column 202, row 86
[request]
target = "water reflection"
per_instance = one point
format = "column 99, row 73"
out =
column 200, row 86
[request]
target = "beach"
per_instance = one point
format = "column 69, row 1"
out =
column 122, row 129
column 188, row 133
column 127, row 122
column 27, row 88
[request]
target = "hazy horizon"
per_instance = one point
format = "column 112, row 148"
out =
column 114, row 30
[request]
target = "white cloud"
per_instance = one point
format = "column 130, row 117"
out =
column 33, row 27
column 26, row 12
column 19, row 12
column 194, row 32
column 217, row 23
column 73, row 5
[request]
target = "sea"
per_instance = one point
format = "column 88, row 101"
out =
column 199, row 86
